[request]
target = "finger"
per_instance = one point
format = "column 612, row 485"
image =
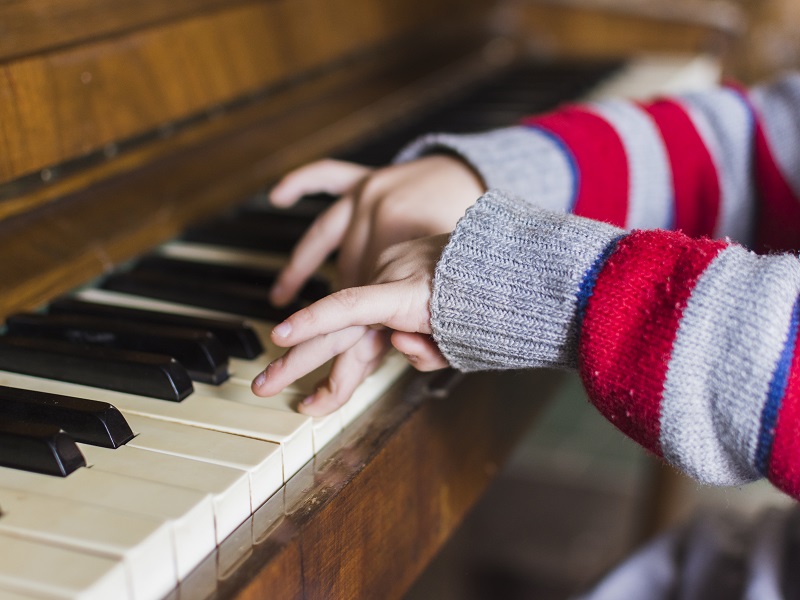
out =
column 332, row 176
column 349, row 369
column 303, row 359
column 381, row 304
column 420, row 350
column 324, row 235
column 351, row 253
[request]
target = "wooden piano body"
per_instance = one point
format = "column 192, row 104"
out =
column 123, row 122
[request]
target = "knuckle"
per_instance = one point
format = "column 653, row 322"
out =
column 369, row 192
column 304, row 318
column 387, row 256
column 347, row 298
column 392, row 206
column 325, row 226
column 372, row 188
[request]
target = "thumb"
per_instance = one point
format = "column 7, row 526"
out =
column 420, row 350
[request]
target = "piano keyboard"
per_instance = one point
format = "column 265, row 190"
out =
column 144, row 448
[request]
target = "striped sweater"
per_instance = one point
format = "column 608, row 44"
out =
column 685, row 340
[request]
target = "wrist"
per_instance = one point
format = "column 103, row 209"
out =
column 525, row 162
column 506, row 290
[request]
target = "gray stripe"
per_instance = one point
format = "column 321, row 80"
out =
column 779, row 108
column 728, row 343
column 505, row 290
column 520, row 160
column 725, row 124
column 650, row 198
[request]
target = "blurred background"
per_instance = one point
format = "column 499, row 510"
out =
column 754, row 38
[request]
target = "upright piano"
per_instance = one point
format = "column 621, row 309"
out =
column 137, row 139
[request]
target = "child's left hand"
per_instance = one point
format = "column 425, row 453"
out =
column 350, row 325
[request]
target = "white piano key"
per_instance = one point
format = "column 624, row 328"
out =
column 324, row 429
column 144, row 544
column 244, row 371
column 9, row 595
column 657, row 74
column 222, row 255
column 229, row 487
column 291, row 430
column 261, row 460
column 190, row 513
column 46, row 571
column 238, row 391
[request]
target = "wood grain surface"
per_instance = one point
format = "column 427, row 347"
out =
column 69, row 102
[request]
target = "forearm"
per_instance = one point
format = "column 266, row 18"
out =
column 686, row 345
column 721, row 163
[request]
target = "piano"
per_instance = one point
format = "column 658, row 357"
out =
column 138, row 139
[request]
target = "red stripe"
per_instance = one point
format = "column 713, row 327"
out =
column 695, row 180
column 630, row 326
column 600, row 159
column 779, row 208
column 784, row 466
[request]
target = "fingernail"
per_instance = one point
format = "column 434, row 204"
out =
column 307, row 400
column 260, row 379
column 412, row 358
column 283, row 330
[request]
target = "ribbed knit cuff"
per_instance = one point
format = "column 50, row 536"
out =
column 524, row 161
column 505, row 292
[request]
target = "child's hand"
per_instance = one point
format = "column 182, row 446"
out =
column 349, row 325
column 377, row 209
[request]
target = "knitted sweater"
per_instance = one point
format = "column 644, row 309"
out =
column 686, row 343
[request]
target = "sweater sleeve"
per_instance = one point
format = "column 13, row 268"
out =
column 688, row 345
column 721, row 163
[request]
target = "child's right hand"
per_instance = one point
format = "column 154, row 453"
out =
column 377, row 209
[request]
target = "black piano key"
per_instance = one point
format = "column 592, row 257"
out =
column 38, row 447
column 249, row 301
column 151, row 375
column 237, row 337
column 88, row 421
column 279, row 233
column 198, row 351
column 313, row 290
column 287, row 223
column 309, row 206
